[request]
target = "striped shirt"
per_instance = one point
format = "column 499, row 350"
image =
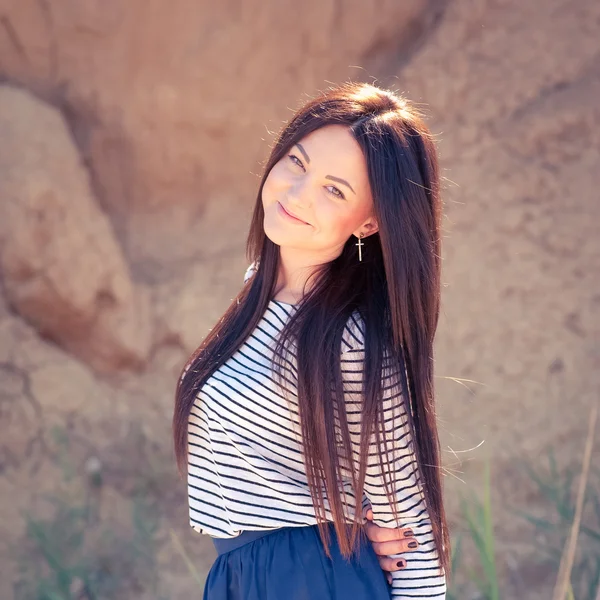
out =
column 245, row 468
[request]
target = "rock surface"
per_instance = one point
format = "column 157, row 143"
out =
column 170, row 104
column 61, row 266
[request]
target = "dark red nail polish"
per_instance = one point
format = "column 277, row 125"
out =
column 401, row 564
column 408, row 533
column 412, row 544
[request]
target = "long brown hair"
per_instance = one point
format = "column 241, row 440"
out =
column 395, row 288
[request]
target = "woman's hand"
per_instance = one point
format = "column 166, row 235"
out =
column 388, row 541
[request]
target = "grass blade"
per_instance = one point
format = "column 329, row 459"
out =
column 190, row 565
column 566, row 564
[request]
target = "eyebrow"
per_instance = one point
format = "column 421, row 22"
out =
column 338, row 179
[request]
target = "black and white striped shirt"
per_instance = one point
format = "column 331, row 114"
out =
column 245, row 468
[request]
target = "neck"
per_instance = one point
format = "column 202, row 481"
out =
column 296, row 265
column 295, row 268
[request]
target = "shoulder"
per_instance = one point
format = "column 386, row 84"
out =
column 353, row 337
column 250, row 270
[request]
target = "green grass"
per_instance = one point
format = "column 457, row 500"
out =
column 556, row 491
column 478, row 518
column 71, row 553
column 566, row 539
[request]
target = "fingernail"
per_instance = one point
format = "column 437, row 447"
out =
column 412, row 544
column 401, row 564
column 408, row 533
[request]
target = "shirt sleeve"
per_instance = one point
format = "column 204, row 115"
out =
column 422, row 576
column 249, row 271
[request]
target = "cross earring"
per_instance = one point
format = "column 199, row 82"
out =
column 360, row 245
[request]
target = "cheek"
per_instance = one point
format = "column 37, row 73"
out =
column 266, row 191
column 335, row 224
column 276, row 178
column 270, row 192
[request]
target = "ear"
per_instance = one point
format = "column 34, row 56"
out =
column 369, row 227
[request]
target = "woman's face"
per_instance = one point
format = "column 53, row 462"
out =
column 323, row 181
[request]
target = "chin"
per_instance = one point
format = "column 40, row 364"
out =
column 274, row 229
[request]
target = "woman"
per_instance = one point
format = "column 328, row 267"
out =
column 325, row 354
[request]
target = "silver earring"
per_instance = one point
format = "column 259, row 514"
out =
column 360, row 245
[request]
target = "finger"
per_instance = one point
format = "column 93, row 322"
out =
column 367, row 513
column 375, row 533
column 391, row 564
column 388, row 576
column 395, row 546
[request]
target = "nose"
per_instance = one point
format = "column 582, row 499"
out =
column 299, row 195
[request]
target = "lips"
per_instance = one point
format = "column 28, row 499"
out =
column 292, row 214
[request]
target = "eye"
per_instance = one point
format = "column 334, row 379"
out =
column 338, row 193
column 295, row 160
column 333, row 190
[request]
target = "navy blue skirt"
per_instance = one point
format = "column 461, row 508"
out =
column 290, row 564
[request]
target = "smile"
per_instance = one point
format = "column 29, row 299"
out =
column 289, row 216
